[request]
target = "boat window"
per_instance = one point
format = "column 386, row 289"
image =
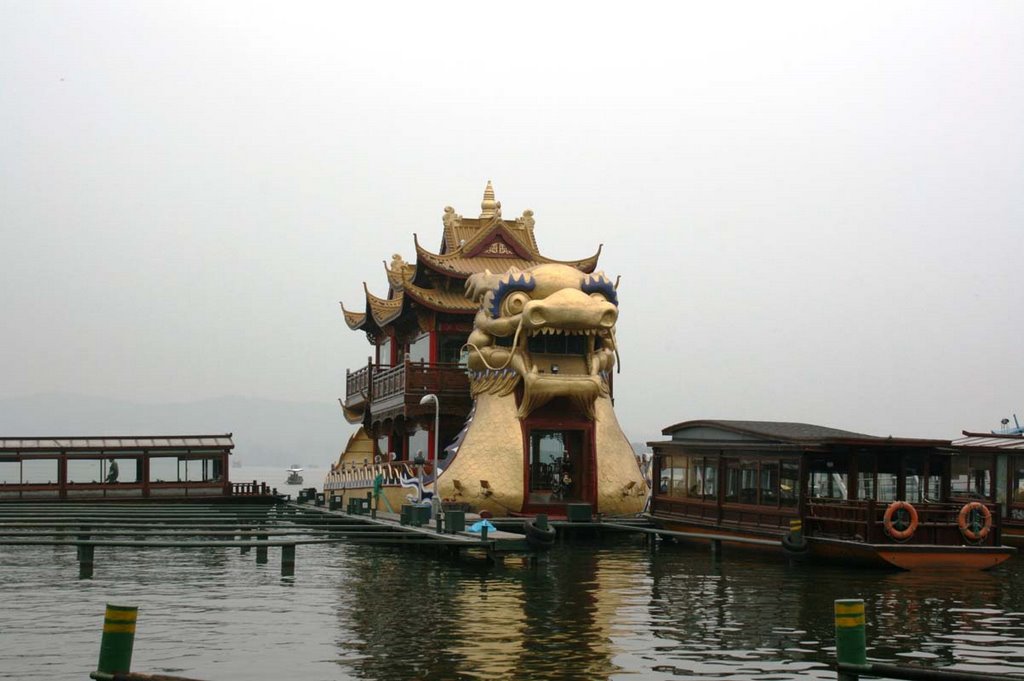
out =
column 1018, row 479
column 741, row 481
column 732, row 480
column 913, row 482
column 888, row 477
column 696, row 477
column 769, row 486
column 827, row 479
column 886, row 490
column 972, row 476
column 789, row 483
column 866, row 483
column 673, row 476
column 710, row 478
column 934, row 487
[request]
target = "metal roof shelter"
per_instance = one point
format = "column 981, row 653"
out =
column 114, row 444
column 150, row 466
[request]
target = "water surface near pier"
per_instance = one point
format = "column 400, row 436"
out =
column 588, row 611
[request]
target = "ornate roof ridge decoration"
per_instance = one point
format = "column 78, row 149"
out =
column 460, row 232
column 384, row 310
column 399, row 273
column 460, row 265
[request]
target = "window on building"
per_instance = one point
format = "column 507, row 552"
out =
column 419, row 441
column 419, row 349
column 451, row 351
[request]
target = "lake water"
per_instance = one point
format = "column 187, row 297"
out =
column 611, row 610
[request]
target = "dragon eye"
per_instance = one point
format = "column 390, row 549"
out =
column 514, row 303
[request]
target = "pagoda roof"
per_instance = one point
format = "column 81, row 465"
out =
column 440, row 299
column 469, row 246
column 354, row 320
column 383, row 310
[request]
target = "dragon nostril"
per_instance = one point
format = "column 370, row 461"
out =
column 536, row 317
column 608, row 319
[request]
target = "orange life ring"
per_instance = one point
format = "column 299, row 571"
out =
column 890, row 527
column 969, row 531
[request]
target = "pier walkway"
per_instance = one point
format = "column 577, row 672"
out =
column 283, row 526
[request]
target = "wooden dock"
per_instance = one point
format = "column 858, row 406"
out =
column 283, row 525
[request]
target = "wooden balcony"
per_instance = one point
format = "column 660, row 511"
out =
column 392, row 391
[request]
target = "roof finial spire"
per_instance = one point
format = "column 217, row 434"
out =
column 488, row 206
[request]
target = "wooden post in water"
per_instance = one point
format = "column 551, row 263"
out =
column 261, row 549
column 288, row 560
column 118, row 639
column 851, row 644
column 85, row 560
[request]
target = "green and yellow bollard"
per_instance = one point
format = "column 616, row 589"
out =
column 851, row 643
column 118, row 639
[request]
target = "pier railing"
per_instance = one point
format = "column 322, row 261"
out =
column 250, row 489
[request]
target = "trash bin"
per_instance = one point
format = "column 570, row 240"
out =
column 454, row 521
column 578, row 513
column 320, row 498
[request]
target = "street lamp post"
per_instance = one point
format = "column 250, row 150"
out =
column 436, row 499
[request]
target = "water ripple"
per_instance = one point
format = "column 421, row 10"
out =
column 613, row 611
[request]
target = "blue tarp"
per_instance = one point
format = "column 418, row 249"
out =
column 480, row 524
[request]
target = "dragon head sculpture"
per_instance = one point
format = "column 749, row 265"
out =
column 551, row 327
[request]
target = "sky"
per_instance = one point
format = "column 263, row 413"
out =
column 816, row 209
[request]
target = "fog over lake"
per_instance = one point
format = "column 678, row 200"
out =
column 815, row 210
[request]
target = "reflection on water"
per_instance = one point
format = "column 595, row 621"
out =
column 588, row 611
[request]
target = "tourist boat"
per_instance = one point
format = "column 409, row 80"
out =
column 293, row 476
column 823, row 493
column 990, row 468
column 490, row 379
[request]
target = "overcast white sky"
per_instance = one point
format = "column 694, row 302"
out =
column 816, row 209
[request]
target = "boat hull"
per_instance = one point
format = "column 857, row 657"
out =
column 847, row 552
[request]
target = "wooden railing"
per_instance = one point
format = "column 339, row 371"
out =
column 357, row 383
column 863, row 520
column 249, row 489
column 376, row 383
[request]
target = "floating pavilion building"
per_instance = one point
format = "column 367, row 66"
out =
column 492, row 364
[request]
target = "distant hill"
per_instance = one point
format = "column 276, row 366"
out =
column 266, row 432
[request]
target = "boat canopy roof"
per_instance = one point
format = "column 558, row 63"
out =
column 782, row 433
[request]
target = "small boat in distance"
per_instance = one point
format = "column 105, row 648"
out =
column 293, row 476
